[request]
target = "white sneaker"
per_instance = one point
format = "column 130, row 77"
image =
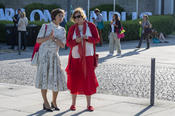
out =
column 118, row 54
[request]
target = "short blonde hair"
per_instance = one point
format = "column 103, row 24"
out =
column 96, row 10
column 78, row 10
column 146, row 16
column 22, row 14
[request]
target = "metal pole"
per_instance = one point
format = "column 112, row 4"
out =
column 19, row 43
column 68, row 9
column 152, row 81
column 88, row 9
column 137, row 7
column 114, row 6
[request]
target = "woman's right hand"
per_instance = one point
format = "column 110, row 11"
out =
column 78, row 40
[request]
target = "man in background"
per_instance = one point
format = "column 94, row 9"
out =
column 15, row 33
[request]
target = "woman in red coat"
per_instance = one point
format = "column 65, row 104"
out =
column 82, row 37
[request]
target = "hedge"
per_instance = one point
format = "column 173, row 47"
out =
column 2, row 5
column 165, row 24
column 3, row 30
column 108, row 7
column 30, row 7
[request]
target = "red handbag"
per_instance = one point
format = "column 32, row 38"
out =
column 121, row 34
column 37, row 45
column 96, row 57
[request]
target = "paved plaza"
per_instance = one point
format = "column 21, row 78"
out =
column 121, row 80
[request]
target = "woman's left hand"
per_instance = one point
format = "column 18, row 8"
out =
column 85, row 37
column 54, row 39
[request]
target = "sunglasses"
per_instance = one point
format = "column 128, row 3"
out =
column 79, row 16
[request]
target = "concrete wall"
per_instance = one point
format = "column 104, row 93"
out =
column 158, row 6
column 169, row 7
column 21, row 3
column 129, row 5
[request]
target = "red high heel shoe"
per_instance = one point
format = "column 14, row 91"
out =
column 73, row 108
column 90, row 108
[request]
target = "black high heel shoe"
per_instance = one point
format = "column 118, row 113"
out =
column 47, row 109
column 55, row 108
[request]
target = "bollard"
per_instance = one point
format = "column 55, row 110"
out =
column 152, row 82
column 19, row 43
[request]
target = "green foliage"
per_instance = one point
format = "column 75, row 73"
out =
column 131, row 28
column 165, row 24
column 109, row 7
column 38, row 23
column 30, row 7
column 2, row 5
column 2, row 29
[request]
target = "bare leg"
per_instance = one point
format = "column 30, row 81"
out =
column 44, row 95
column 162, row 37
column 74, row 97
column 88, row 98
column 101, row 38
column 54, row 98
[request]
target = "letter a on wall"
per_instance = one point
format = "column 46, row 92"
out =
column 32, row 15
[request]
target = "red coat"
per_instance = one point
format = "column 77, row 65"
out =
column 77, row 83
column 71, row 43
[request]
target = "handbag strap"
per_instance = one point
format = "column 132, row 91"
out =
column 45, row 30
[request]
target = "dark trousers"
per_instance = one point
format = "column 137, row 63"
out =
column 147, row 40
column 23, row 39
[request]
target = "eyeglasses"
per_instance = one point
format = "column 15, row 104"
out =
column 79, row 16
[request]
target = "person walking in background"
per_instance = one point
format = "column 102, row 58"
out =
column 99, row 23
column 114, row 41
column 81, row 78
column 22, row 28
column 146, row 30
column 49, row 73
column 15, row 32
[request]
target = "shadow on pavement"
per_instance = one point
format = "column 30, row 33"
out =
column 62, row 113
column 103, row 59
column 134, row 52
column 79, row 113
column 144, row 110
column 38, row 113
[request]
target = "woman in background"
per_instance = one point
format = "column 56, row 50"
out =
column 114, row 41
column 99, row 23
column 22, row 28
